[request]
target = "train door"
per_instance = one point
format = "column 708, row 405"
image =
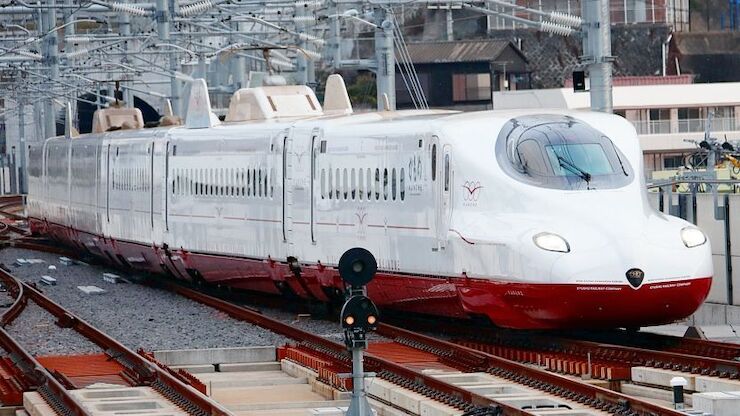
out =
column 315, row 150
column 107, row 184
column 287, row 190
column 442, row 187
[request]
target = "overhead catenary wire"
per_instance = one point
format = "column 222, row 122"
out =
column 406, row 64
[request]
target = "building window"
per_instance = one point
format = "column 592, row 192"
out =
column 690, row 120
column 673, row 162
column 471, row 87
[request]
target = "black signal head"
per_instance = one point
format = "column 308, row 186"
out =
column 357, row 267
column 359, row 312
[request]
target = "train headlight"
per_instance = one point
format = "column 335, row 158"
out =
column 551, row 242
column 693, row 237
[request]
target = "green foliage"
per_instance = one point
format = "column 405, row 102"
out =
column 362, row 92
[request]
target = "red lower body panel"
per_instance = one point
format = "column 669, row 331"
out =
column 508, row 304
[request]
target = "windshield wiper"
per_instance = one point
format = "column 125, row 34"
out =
column 619, row 158
column 574, row 169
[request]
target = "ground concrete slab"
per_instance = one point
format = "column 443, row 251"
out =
column 265, row 366
column 707, row 384
column 195, row 368
column 661, row 377
column 652, row 393
column 216, row 355
column 718, row 403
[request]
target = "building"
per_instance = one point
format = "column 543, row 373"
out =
column 462, row 74
column 667, row 117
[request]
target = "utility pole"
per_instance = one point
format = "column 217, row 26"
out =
column 124, row 27
column 597, row 51
column 21, row 168
column 51, row 60
column 163, row 29
column 385, row 59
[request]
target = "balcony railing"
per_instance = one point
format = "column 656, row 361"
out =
column 691, row 125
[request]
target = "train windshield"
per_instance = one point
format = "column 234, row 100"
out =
column 561, row 153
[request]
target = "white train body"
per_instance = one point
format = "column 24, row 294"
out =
column 447, row 203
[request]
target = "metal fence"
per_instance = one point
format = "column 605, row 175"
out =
column 690, row 125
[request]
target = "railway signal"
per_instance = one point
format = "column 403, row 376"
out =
column 357, row 268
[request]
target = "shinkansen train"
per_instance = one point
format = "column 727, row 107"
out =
column 530, row 219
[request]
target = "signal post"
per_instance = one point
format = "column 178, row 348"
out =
column 359, row 315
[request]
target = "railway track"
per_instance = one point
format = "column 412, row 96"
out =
column 9, row 206
column 607, row 355
column 331, row 358
column 31, row 373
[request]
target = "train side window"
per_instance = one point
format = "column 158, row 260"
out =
column 221, row 182
column 331, row 183
column 259, row 182
column 345, row 187
column 232, row 181
column 402, row 184
column 211, row 181
column 385, row 184
column 369, row 179
column 337, row 183
column 360, row 184
column 393, row 184
column 254, row 182
column 434, row 162
column 323, row 183
column 377, row 184
column 242, row 182
column 353, row 184
column 264, row 182
column 249, row 182
column 447, row 172
column 272, row 183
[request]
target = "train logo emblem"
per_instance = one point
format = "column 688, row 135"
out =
column 472, row 191
column 635, row 277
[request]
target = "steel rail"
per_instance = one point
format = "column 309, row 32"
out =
column 714, row 359
column 55, row 394
column 668, row 343
column 593, row 396
column 146, row 373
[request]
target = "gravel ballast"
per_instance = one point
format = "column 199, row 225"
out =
column 136, row 315
column 141, row 316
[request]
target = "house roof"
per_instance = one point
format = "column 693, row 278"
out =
column 485, row 50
